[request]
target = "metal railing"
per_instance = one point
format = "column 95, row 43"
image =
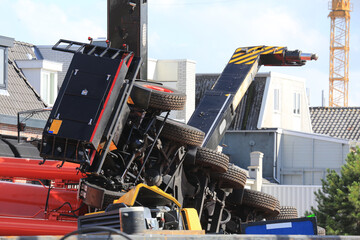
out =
column 21, row 125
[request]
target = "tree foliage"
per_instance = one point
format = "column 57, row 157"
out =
column 338, row 208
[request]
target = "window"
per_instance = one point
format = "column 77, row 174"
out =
column 276, row 100
column 296, row 109
column 3, row 66
column 48, row 87
column 5, row 43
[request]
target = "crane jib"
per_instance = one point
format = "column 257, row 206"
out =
column 216, row 110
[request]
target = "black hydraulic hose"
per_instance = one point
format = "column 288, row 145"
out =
column 12, row 147
column 71, row 210
column 47, row 199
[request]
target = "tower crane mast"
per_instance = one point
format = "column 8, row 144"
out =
column 339, row 52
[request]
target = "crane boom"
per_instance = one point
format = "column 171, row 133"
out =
column 217, row 108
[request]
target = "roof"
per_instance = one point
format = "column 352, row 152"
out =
column 20, row 95
column 340, row 122
column 248, row 111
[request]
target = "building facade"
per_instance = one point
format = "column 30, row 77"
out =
column 17, row 95
column 290, row 157
column 274, row 118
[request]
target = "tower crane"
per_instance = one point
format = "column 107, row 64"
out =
column 339, row 52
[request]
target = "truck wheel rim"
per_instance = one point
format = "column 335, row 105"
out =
column 157, row 88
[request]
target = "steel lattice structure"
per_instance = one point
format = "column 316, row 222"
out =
column 339, row 52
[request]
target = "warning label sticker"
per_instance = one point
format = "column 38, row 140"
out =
column 55, row 126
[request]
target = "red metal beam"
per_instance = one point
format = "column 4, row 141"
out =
column 31, row 227
column 30, row 168
column 36, row 201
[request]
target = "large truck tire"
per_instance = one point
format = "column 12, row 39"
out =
column 217, row 162
column 287, row 212
column 156, row 96
column 263, row 202
column 234, row 177
column 181, row 133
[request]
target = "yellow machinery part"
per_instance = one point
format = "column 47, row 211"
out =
column 143, row 192
column 191, row 219
column 111, row 148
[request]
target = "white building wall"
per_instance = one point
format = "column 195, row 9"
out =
column 152, row 73
column 290, row 157
column 57, row 56
column 284, row 117
column 187, row 82
column 305, row 158
column 301, row 197
column 33, row 70
column 33, row 76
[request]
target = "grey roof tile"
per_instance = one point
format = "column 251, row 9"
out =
column 21, row 96
column 341, row 122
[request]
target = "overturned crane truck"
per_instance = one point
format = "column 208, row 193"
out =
column 124, row 165
column 120, row 152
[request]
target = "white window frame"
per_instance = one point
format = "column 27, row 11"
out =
column 48, row 87
column 3, row 67
column 276, row 99
column 297, row 103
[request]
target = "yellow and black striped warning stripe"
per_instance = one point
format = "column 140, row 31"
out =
column 250, row 54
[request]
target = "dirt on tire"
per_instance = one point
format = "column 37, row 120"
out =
column 287, row 212
column 146, row 94
column 262, row 202
column 181, row 133
column 210, row 159
column 234, row 177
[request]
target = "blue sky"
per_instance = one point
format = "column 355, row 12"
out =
column 207, row 31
